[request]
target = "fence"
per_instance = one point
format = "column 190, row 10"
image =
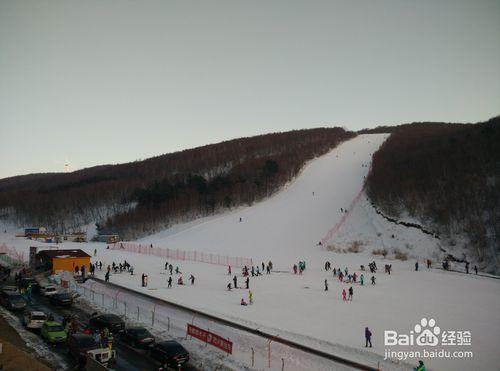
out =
column 251, row 347
column 189, row 255
column 342, row 221
column 11, row 256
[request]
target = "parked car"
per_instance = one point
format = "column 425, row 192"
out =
column 48, row 290
column 80, row 344
column 137, row 337
column 34, row 319
column 25, row 282
column 169, row 353
column 114, row 323
column 53, row 332
column 61, row 298
column 12, row 300
column 10, row 288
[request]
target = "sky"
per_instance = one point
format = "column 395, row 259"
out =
column 106, row 81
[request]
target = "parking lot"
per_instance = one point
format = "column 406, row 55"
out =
column 127, row 357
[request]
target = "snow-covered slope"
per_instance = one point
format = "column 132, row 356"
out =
column 285, row 229
column 291, row 223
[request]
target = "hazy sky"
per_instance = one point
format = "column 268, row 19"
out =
column 108, row 81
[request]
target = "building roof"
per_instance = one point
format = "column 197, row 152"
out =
column 74, row 253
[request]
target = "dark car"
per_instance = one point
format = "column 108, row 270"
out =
column 80, row 344
column 25, row 282
column 12, row 300
column 169, row 353
column 113, row 323
column 61, row 298
column 137, row 337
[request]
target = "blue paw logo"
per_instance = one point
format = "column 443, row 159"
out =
column 427, row 332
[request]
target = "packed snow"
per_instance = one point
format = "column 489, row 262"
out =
column 286, row 229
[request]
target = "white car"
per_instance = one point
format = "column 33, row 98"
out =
column 48, row 290
column 34, row 319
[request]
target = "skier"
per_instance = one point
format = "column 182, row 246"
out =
column 170, row 281
column 344, row 295
column 420, row 367
column 250, row 297
column 95, row 252
column 373, row 280
column 106, row 277
column 263, row 266
column 326, row 285
column 368, row 337
column 235, row 280
column 362, row 279
column 268, row 270
column 192, row 279
column 177, row 271
column 295, row 269
column 166, row 265
column 228, row 270
column 247, row 282
column 416, row 266
column 229, row 286
column 143, row 280
column 170, row 267
column 467, row 267
column 270, row 265
column 475, row 269
column 429, row 262
column 243, row 302
column 334, row 272
column 240, row 219
column 179, row 281
column 252, row 271
column 351, row 292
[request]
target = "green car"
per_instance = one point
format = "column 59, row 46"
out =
column 53, row 332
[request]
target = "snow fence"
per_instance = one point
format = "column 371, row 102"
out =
column 189, row 255
column 250, row 347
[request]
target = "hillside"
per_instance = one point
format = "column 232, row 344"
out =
column 285, row 229
column 446, row 176
column 135, row 198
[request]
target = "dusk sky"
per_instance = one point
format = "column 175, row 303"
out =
column 108, row 81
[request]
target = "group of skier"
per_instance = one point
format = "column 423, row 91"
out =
column 299, row 268
column 246, row 272
column 345, row 277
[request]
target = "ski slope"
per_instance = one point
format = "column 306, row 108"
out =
column 285, row 229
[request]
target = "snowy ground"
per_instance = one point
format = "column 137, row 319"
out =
column 285, row 229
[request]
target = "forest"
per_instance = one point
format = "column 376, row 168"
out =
column 141, row 197
column 446, row 175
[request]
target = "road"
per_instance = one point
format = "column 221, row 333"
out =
column 127, row 358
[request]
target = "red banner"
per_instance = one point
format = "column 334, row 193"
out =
column 210, row 338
